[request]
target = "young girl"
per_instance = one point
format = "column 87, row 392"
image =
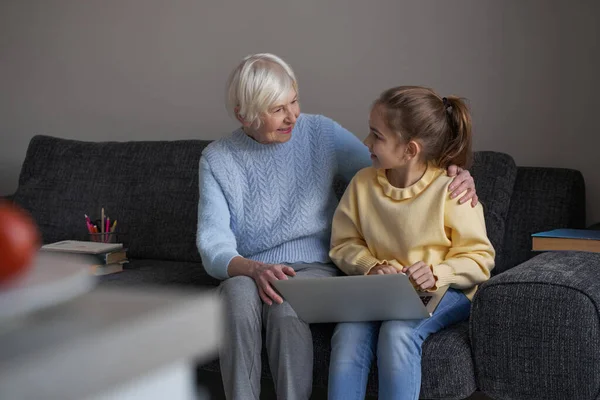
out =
column 397, row 217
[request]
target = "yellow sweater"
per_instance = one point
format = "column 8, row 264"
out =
column 376, row 222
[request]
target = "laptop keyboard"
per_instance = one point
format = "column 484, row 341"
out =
column 425, row 299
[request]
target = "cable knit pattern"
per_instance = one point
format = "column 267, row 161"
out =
column 280, row 196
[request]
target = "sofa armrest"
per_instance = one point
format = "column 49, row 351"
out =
column 535, row 329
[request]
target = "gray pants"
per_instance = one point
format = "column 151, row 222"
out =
column 288, row 339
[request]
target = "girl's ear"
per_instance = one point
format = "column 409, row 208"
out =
column 413, row 149
column 240, row 118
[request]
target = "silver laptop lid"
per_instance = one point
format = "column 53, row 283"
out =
column 355, row 298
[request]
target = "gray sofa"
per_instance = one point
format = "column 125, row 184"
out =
column 534, row 329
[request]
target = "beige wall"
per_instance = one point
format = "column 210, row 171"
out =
column 153, row 69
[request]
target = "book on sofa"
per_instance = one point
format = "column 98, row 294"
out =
column 567, row 239
column 104, row 258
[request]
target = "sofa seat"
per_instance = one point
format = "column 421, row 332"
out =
column 160, row 272
column 448, row 371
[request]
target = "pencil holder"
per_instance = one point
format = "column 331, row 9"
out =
column 107, row 237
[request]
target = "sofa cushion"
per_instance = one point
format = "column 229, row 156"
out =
column 160, row 272
column 151, row 188
column 547, row 198
column 447, row 365
column 495, row 175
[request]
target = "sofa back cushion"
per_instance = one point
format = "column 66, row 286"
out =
column 151, row 188
column 544, row 199
column 495, row 175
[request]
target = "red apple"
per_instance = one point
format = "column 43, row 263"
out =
column 19, row 241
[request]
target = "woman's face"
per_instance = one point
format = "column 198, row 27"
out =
column 278, row 122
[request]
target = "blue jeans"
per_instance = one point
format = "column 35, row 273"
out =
column 396, row 343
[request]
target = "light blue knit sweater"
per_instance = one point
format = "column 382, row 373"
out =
column 273, row 203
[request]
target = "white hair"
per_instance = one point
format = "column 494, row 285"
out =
column 260, row 81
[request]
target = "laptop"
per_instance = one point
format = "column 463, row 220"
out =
column 358, row 298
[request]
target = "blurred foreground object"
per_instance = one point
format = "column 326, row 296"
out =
column 50, row 280
column 112, row 343
column 19, row 241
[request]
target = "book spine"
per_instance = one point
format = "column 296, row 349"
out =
column 102, row 258
column 109, row 258
column 559, row 244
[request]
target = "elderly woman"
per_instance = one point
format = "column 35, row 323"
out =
column 266, row 205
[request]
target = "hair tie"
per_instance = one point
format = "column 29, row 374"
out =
column 447, row 106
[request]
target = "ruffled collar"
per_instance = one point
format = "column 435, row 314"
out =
column 411, row 191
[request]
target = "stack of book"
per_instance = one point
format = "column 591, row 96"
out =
column 105, row 258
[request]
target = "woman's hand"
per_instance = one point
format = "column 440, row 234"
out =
column 462, row 181
column 382, row 269
column 421, row 275
column 265, row 274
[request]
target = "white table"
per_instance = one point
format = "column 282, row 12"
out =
column 111, row 344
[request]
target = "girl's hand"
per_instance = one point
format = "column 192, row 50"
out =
column 265, row 274
column 463, row 181
column 421, row 275
column 382, row 269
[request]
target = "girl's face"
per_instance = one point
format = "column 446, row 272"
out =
column 386, row 147
column 277, row 123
